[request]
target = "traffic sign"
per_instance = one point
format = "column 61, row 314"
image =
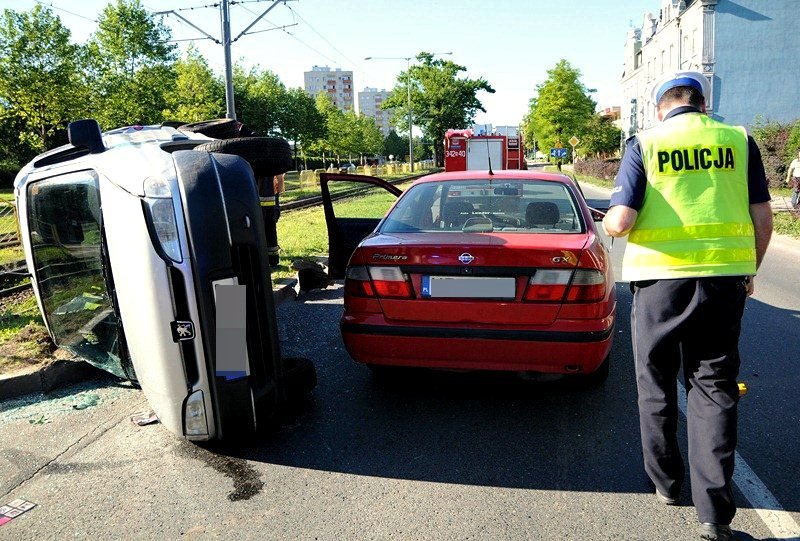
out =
column 574, row 141
column 558, row 152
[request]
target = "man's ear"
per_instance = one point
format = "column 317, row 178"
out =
column 660, row 114
column 703, row 107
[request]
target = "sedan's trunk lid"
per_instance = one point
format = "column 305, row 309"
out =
column 471, row 278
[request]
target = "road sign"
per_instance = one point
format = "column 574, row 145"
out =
column 574, row 141
column 558, row 152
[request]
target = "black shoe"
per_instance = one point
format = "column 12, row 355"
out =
column 666, row 500
column 715, row 532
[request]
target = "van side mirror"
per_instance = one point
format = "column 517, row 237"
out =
column 86, row 133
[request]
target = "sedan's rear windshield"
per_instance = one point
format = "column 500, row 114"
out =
column 480, row 206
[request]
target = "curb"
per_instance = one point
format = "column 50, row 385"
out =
column 60, row 373
column 66, row 372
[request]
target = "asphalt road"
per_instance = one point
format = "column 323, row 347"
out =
column 427, row 456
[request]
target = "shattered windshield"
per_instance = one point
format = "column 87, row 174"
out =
column 66, row 239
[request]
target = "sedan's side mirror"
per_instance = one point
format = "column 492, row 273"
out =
column 598, row 208
column 598, row 214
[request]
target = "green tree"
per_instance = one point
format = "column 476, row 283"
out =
column 132, row 64
column 370, row 138
column 561, row 108
column 300, row 122
column 198, row 93
column 395, row 145
column 333, row 141
column 601, row 136
column 439, row 98
column 260, row 99
column 40, row 78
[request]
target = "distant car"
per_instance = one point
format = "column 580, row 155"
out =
column 476, row 271
column 347, row 168
column 148, row 258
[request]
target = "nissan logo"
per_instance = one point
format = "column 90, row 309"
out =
column 466, row 258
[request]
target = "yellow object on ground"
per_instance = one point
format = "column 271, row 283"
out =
column 742, row 388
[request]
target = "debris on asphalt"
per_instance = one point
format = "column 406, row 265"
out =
column 144, row 418
column 14, row 509
column 40, row 420
column 86, row 401
column 311, row 274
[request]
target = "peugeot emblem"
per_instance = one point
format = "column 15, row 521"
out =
column 466, row 258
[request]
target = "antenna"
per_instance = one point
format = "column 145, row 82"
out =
column 488, row 154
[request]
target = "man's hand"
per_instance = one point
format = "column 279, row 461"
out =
column 749, row 284
column 619, row 220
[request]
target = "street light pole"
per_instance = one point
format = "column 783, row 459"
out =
column 410, row 125
column 408, row 88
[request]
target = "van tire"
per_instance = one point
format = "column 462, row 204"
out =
column 268, row 156
column 221, row 128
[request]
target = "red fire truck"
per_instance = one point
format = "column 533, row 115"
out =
column 477, row 148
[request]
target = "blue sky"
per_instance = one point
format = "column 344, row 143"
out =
column 511, row 44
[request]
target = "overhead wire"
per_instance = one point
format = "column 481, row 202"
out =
column 276, row 27
column 65, row 10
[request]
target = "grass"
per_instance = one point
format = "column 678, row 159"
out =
column 787, row 223
column 304, row 192
column 23, row 339
column 303, row 233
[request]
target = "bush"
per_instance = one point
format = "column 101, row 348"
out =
column 8, row 171
column 775, row 141
column 597, row 168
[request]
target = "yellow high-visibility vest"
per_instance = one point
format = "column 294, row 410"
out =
column 695, row 216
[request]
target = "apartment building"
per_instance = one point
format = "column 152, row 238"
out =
column 369, row 104
column 746, row 48
column 337, row 84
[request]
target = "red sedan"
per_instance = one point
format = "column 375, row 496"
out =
column 477, row 271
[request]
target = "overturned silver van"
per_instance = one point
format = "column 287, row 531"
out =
column 148, row 259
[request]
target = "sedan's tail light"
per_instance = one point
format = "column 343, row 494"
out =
column 566, row 285
column 548, row 285
column 357, row 282
column 377, row 282
column 588, row 285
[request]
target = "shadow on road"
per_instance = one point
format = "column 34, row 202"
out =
column 493, row 429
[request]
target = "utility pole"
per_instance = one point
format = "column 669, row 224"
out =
column 225, row 23
column 225, row 16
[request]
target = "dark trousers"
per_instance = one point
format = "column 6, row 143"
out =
column 697, row 322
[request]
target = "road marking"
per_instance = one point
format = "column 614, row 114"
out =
column 777, row 519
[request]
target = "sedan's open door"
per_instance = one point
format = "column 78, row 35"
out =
column 361, row 203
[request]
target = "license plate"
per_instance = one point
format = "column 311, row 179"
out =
column 468, row 287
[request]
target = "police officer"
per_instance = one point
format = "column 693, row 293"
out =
column 691, row 195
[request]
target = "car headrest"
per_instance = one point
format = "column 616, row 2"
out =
column 456, row 213
column 542, row 213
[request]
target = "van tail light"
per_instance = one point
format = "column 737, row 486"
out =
column 387, row 282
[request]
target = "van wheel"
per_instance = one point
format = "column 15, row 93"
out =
column 221, row 128
column 268, row 156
